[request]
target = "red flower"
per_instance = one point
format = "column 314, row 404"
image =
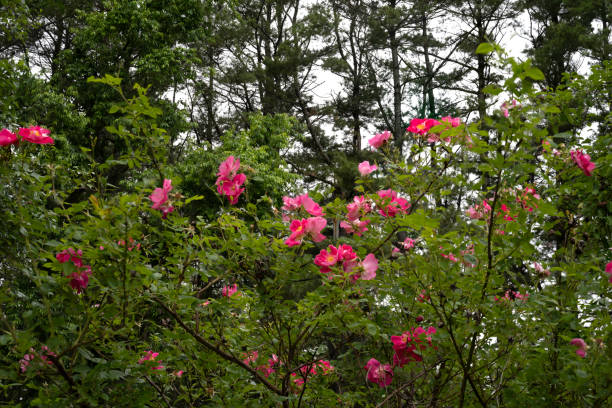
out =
column 406, row 344
column 381, row 374
column 7, row 138
column 35, row 134
column 583, row 161
column 421, row 126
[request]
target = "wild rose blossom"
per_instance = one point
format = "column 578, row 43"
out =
column 540, row 270
column 396, row 205
column 29, row 358
column 159, row 197
column 583, row 161
column 381, row 374
column 7, row 138
column 35, row 134
column 302, row 202
column 365, row 168
column 344, row 256
column 581, row 347
column 306, row 227
column 512, row 295
column 79, row 279
column 408, row 342
column 358, row 208
column 380, row 139
column 229, row 180
column 421, row 126
column 228, row 291
column 355, row 226
column 505, row 107
column 609, row 270
column 408, row 243
column 151, row 356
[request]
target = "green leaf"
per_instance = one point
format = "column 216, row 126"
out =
column 485, row 48
column 534, row 73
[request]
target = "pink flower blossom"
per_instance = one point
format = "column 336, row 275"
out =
column 609, row 270
column 228, row 291
column 179, row 373
column 250, row 357
column 391, row 204
column 35, row 134
column 229, row 181
column 505, row 107
column 453, row 122
column 159, row 197
column 583, row 161
column 342, row 255
column 512, row 295
column 7, row 138
column 370, row 266
column 359, row 207
column 70, row 255
column 409, row 342
column 540, row 270
column 80, row 279
column 302, row 201
column 380, row 139
column 408, row 243
column 355, row 226
column 450, row 257
column 306, row 227
column 365, row 168
column 381, row 374
column 421, row 126
column 581, row 346
column 151, row 356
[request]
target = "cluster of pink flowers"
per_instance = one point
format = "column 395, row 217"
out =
column 583, row 161
column 311, row 227
column 229, row 180
column 581, row 347
column 302, row 203
column 450, row 256
column 310, row 370
column 366, row 168
column 159, row 197
column 405, row 347
column 476, row 212
column 422, row 127
column 345, row 257
column 30, row 357
column 609, row 270
column 512, row 295
column 540, row 269
column 229, row 291
column 390, row 204
column 80, row 278
column 380, row 139
column 33, row 134
column 525, row 198
column 266, row 369
column 506, row 106
column 358, row 208
column 407, row 244
column 151, row 356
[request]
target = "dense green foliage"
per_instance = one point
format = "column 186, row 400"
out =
column 501, row 256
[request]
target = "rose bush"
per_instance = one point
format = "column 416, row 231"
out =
column 395, row 298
